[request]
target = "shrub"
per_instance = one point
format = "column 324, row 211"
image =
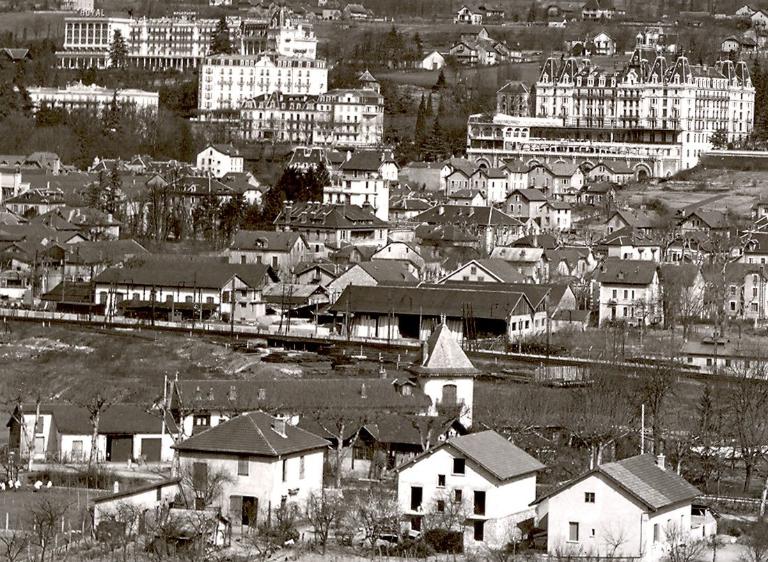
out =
column 445, row 541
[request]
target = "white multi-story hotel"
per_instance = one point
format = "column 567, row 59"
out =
column 338, row 118
column 93, row 97
column 658, row 115
column 182, row 41
column 226, row 81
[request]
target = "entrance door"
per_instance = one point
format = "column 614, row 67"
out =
column 417, row 493
column 250, row 511
column 119, row 448
column 151, row 448
column 449, row 395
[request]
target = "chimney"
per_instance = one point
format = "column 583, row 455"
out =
column 232, row 393
column 279, row 426
column 116, row 487
column 210, row 394
column 262, row 394
column 660, row 461
column 363, row 391
column 440, row 210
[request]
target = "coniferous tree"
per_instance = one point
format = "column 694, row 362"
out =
column 221, row 44
column 111, row 193
column 118, row 52
column 435, row 148
column 420, row 131
column 429, row 106
column 440, row 80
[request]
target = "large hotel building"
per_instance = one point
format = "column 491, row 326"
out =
column 658, row 113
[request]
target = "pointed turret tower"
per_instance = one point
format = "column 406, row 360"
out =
column 446, row 375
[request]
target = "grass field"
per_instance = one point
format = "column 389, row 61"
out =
column 15, row 507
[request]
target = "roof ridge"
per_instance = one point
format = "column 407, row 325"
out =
column 261, row 433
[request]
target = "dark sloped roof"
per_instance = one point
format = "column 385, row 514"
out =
column 253, row 434
column 388, row 271
column 296, row 396
column 686, row 272
column 459, row 214
column 492, row 452
column 199, row 273
column 104, row 251
column 627, row 272
column 432, row 300
column 316, row 216
column 267, row 240
column 117, row 419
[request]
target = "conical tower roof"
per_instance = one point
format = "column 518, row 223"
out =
column 441, row 355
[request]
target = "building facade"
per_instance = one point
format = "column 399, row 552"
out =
column 656, row 115
column 91, row 97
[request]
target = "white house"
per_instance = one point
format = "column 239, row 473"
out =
column 124, row 504
column 433, row 61
column 467, row 16
column 482, row 476
column 261, row 463
column 280, row 250
column 759, row 19
column 402, row 252
column 63, row 432
column 630, row 509
column 218, row 160
column 629, row 290
column 363, row 180
column 557, row 215
column 371, row 274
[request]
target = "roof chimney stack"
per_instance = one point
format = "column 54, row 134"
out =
column 363, row 391
column 661, row 461
column 279, row 427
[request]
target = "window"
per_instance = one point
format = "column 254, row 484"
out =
column 440, row 506
column 301, row 467
column 457, row 496
column 285, row 470
column 656, row 532
column 39, row 425
column 458, row 466
column 441, row 480
column 573, row 532
column 201, row 420
column 479, row 533
column 589, row 497
column 242, row 466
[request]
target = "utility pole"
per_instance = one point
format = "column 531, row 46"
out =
column 232, row 311
column 642, row 429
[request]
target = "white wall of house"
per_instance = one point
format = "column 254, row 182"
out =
column 503, row 500
column 434, row 387
column 139, row 502
column 632, row 252
column 613, row 514
column 355, row 275
column 218, row 164
column 632, row 303
column 264, row 480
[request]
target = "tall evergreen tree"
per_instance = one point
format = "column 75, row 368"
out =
column 436, row 147
column 429, row 109
column 420, row 130
column 221, row 44
column 118, row 51
column 111, row 193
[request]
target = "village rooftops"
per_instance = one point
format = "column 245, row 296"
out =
column 118, row 418
column 366, row 161
column 265, row 240
column 255, row 433
column 104, row 251
column 641, row 478
column 296, row 396
column 389, row 271
column 442, row 355
column 491, row 452
column 317, row 216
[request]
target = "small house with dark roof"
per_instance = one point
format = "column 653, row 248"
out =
column 280, row 250
column 371, row 274
column 638, row 499
column 260, row 462
column 629, row 291
column 488, row 477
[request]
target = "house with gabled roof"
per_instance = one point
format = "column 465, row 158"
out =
column 491, row 226
column 371, row 274
column 630, row 243
column 598, row 10
column 637, row 499
column 280, row 250
column 260, row 462
column 629, row 291
column 480, row 474
column 488, row 270
column 218, row 160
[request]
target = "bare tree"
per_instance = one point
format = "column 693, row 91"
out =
column 96, row 401
column 19, row 394
column 679, row 545
column 708, row 437
column 747, row 413
column 614, row 537
column 756, row 543
column 45, row 518
column 446, row 513
column 200, row 485
column 655, row 387
column 13, row 546
column 376, row 512
column 124, row 518
column 343, row 426
column 325, row 510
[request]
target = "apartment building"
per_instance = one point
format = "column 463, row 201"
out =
column 658, row 115
column 349, row 118
column 90, row 97
column 227, row 81
column 180, row 41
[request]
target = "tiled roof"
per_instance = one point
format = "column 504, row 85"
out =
column 530, row 194
column 388, row 271
column 489, row 450
column 297, row 395
column 627, row 272
column 253, row 434
column 685, row 272
column 459, row 214
column 104, row 251
column 315, row 215
column 432, row 300
column 210, row 274
column 543, row 240
column 227, row 149
column 266, row 240
column 442, row 355
column 363, row 160
column 640, row 477
column 119, row 418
